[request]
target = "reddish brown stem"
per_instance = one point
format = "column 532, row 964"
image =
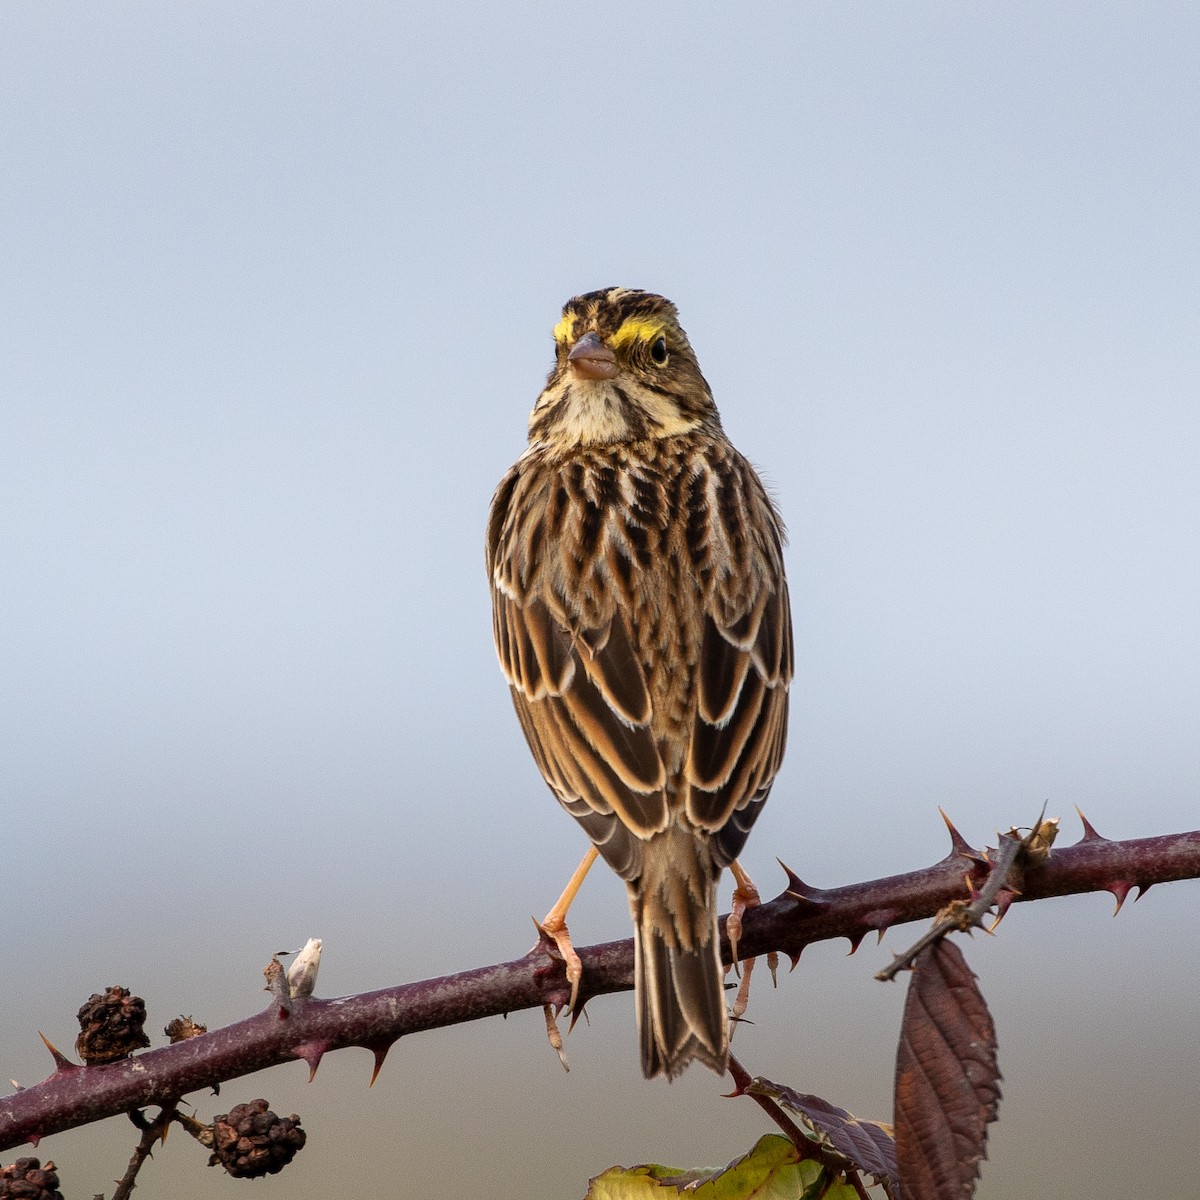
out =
column 806, row 1147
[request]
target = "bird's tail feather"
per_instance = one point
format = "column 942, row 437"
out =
column 678, row 978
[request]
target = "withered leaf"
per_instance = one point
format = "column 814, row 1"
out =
column 866, row 1145
column 947, row 1078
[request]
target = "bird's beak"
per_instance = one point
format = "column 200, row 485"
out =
column 592, row 359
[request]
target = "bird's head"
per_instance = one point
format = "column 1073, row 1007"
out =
column 623, row 371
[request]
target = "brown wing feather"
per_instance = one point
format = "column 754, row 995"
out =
column 630, row 750
column 717, row 749
column 612, row 665
column 621, row 848
column 745, row 666
column 584, row 707
column 551, row 645
column 723, row 669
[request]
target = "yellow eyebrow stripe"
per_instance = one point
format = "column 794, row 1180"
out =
column 562, row 331
column 636, row 329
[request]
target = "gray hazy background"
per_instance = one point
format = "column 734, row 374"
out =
column 277, row 282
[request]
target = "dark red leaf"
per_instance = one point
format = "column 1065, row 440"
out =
column 866, row 1145
column 947, row 1080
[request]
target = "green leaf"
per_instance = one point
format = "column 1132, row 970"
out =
column 770, row 1171
column 841, row 1191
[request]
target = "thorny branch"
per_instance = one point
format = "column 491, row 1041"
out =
column 963, row 914
column 308, row 1028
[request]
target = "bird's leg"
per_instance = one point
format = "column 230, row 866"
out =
column 554, row 924
column 745, row 895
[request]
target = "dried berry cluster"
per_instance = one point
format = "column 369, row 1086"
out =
column 27, row 1179
column 251, row 1140
column 112, row 1027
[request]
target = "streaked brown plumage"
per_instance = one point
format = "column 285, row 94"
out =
column 641, row 617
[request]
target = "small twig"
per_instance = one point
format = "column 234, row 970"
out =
column 857, row 1184
column 959, row 914
column 197, row 1129
column 152, row 1131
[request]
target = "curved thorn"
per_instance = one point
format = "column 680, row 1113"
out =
column 795, row 883
column 1089, row 830
column 312, row 1053
column 578, row 1009
column 959, row 846
column 880, row 919
column 61, row 1062
column 380, row 1051
column 803, row 894
column 1120, row 888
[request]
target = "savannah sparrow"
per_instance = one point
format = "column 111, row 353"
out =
column 641, row 617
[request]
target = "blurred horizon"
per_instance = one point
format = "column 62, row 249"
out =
column 277, row 288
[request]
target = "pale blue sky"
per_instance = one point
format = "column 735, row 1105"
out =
column 276, row 287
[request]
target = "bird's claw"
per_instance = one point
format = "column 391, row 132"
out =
column 555, row 1035
column 554, row 929
column 745, row 896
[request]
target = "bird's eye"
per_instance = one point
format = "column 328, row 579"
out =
column 658, row 352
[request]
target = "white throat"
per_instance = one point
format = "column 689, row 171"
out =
column 590, row 411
